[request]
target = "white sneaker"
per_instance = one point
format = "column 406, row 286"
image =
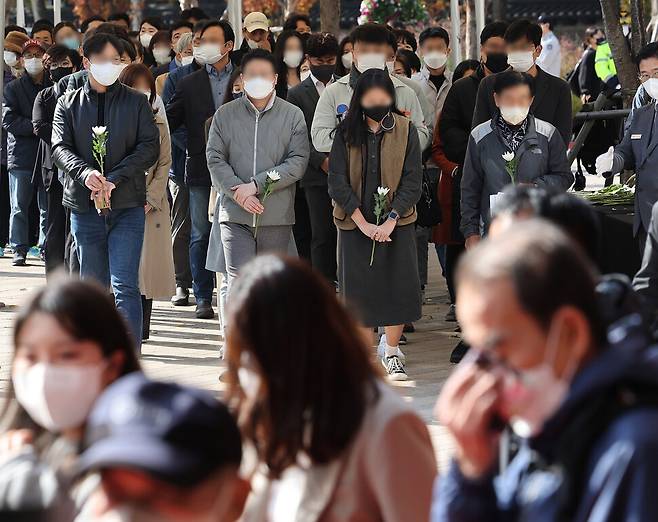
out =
column 394, row 368
column 381, row 350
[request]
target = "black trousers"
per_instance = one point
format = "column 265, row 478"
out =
column 181, row 229
column 55, row 228
column 453, row 252
column 323, row 232
column 302, row 228
column 5, row 206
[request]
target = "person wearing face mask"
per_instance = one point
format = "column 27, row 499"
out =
column 344, row 57
column 637, row 148
column 65, row 33
column 197, row 480
column 243, row 156
column 197, row 97
column 338, row 472
column 147, row 30
column 163, row 54
column 156, row 266
column 321, row 51
column 582, row 402
column 184, row 55
column 180, row 212
column 377, row 148
column 590, row 85
column 64, row 357
column 289, row 55
column 372, row 44
column 61, row 62
column 434, row 77
column 512, row 148
column 256, row 34
column 109, row 242
column 22, row 147
column 552, row 101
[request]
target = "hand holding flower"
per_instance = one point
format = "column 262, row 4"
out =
column 385, row 230
column 242, row 192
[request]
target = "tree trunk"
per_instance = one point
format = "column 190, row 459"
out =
column 498, row 9
column 638, row 33
column 471, row 40
column 330, row 16
column 626, row 70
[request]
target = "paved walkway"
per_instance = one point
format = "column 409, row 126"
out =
column 186, row 349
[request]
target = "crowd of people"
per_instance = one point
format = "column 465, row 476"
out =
column 304, row 176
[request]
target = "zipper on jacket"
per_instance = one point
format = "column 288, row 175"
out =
column 255, row 143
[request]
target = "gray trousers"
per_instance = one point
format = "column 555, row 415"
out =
column 240, row 246
column 181, row 226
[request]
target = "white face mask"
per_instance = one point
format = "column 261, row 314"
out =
column 11, row 58
column 209, row 53
column 651, row 86
column 33, row 66
column 58, row 397
column 521, row 61
column 186, row 60
column 304, row 75
column 162, row 55
column 514, row 115
column 293, row 58
column 536, row 394
column 391, row 67
column 106, row 73
column 252, row 44
column 145, row 39
column 346, row 59
column 258, row 88
column 435, row 59
column 370, row 61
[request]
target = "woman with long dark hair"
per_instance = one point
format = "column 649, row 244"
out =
column 344, row 57
column 156, row 267
column 376, row 155
column 289, row 55
column 310, row 402
column 70, row 343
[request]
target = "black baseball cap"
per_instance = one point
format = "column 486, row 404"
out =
column 178, row 434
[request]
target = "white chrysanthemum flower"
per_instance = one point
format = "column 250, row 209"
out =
column 383, row 191
column 508, row 156
column 274, row 175
column 98, row 130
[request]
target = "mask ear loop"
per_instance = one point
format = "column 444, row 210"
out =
column 381, row 123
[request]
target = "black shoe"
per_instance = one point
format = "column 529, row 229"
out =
column 403, row 340
column 19, row 259
column 182, row 297
column 204, row 310
column 409, row 328
column 459, row 351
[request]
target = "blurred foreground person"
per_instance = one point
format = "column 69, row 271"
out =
column 333, row 442
column 584, row 407
column 165, row 453
column 69, row 344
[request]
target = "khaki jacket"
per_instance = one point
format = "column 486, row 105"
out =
column 156, row 269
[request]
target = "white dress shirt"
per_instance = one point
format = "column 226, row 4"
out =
column 319, row 85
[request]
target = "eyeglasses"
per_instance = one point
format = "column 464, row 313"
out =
column 644, row 77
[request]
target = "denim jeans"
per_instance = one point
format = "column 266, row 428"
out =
column 109, row 248
column 21, row 191
column 202, row 279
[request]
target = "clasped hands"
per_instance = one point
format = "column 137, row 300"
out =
column 99, row 185
column 381, row 233
column 245, row 196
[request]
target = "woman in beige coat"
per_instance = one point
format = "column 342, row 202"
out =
column 331, row 441
column 156, row 270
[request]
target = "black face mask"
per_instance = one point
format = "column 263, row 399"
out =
column 323, row 72
column 59, row 73
column 496, row 62
column 378, row 112
column 237, row 95
column 600, row 40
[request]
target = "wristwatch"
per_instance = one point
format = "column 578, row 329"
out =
column 394, row 216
